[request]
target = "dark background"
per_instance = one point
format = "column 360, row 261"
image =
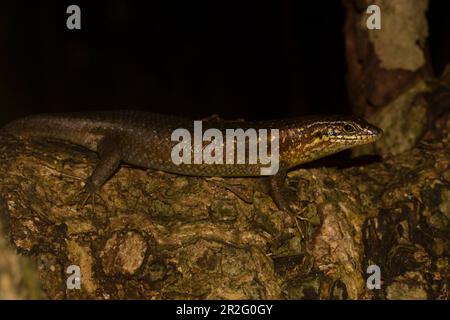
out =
column 249, row 59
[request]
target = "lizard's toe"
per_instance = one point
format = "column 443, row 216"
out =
column 82, row 197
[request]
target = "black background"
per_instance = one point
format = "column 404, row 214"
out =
column 248, row 59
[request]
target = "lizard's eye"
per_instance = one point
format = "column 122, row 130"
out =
column 348, row 128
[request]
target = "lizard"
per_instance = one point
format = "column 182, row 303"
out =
column 143, row 139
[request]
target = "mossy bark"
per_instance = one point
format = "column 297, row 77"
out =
column 154, row 235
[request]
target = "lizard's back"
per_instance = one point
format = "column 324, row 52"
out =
column 144, row 138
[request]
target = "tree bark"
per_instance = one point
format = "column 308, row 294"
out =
column 389, row 72
column 154, row 235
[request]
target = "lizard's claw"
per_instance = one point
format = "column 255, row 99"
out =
column 89, row 195
column 82, row 197
column 298, row 218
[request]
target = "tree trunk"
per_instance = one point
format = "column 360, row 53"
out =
column 153, row 235
column 156, row 235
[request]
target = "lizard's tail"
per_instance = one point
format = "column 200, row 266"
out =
column 14, row 128
column 46, row 126
column 56, row 126
column 41, row 125
column 32, row 126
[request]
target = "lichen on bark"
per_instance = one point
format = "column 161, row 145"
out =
column 152, row 235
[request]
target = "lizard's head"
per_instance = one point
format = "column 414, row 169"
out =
column 350, row 132
column 316, row 138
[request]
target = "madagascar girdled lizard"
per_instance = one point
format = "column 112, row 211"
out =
column 144, row 139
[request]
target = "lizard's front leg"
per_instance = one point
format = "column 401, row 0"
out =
column 109, row 152
column 110, row 155
column 278, row 190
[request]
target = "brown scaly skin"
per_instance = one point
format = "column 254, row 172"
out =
column 144, row 139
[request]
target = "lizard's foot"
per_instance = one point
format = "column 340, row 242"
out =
column 297, row 216
column 298, row 213
column 82, row 197
column 278, row 190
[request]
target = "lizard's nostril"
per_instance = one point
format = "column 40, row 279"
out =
column 375, row 131
column 380, row 132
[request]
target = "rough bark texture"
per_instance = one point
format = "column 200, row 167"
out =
column 18, row 274
column 384, row 63
column 153, row 235
column 159, row 236
column 391, row 83
column 388, row 71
